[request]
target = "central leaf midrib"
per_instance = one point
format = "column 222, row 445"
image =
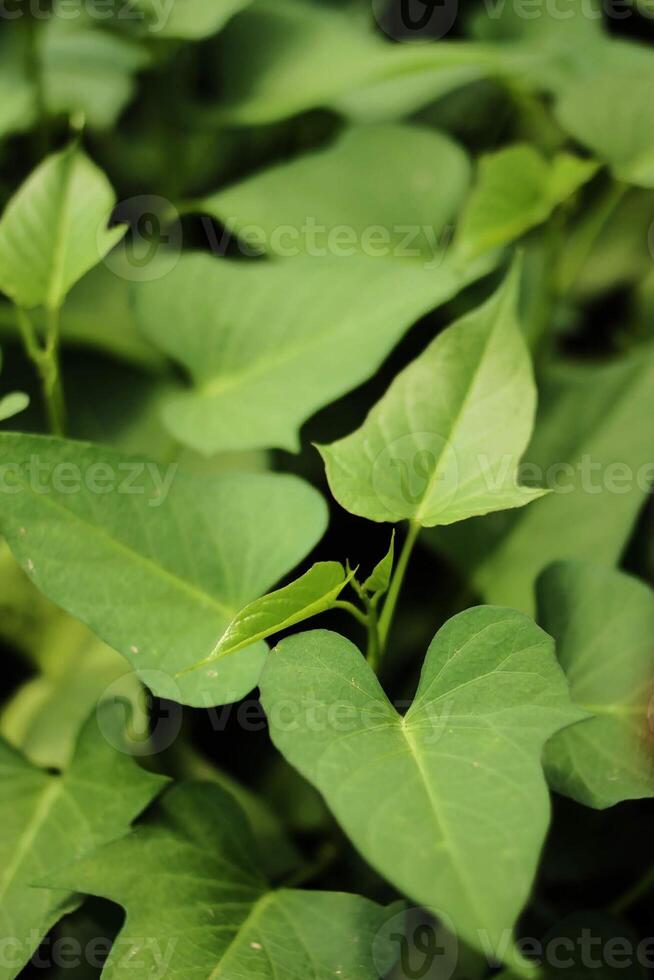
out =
column 465, row 399
column 182, row 584
column 450, row 847
column 47, row 799
column 253, row 914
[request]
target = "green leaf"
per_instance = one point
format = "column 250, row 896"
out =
column 50, row 820
column 596, row 423
column 310, row 330
column 44, row 716
column 380, row 578
column 311, row 594
column 17, row 113
column 157, row 562
column 13, row 404
column 282, row 57
column 613, row 116
column 517, row 189
column 87, row 69
column 603, row 622
column 215, row 915
column 54, row 229
column 188, row 20
column 338, row 201
column 460, row 774
column 444, row 442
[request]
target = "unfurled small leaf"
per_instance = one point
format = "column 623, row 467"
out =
column 215, row 914
column 154, row 560
column 516, row 189
column 310, row 330
column 13, row 404
column 397, row 212
column 613, row 116
column 603, row 622
column 380, row 577
column 47, row 821
column 54, row 229
column 311, row 594
column 449, row 801
column 444, row 442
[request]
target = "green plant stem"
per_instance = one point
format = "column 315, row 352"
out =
column 373, row 652
column 349, row 607
column 46, row 359
column 395, row 587
column 633, row 894
column 582, row 240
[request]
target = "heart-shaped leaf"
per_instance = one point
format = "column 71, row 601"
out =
column 156, row 561
column 398, row 211
column 215, row 915
column 50, row 820
column 603, row 622
column 54, row 229
column 449, row 801
column 444, row 442
column 268, row 344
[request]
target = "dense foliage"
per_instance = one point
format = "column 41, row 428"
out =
column 326, row 458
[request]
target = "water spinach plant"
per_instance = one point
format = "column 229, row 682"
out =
column 326, row 457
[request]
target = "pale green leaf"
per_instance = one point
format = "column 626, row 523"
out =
column 592, row 447
column 603, row 622
column 517, row 189
column 444, row 442
column 54, row 229
column 338, row 201
column 281, row 57
column 215, row 914
column 47, row 821
column 44, row 716
column 613, row 116
column 12, row 404
column 16, row 113
column 188, row 20
column 86, row 69
column 311, row 594
column 268, row 344
column 380, row 577
column 155, row 561
column 449, row 801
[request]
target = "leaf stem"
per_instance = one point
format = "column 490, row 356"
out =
column 358, row 614
column 46, row 359
column 583, row 239
column 633, row 894
column 386, row 618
